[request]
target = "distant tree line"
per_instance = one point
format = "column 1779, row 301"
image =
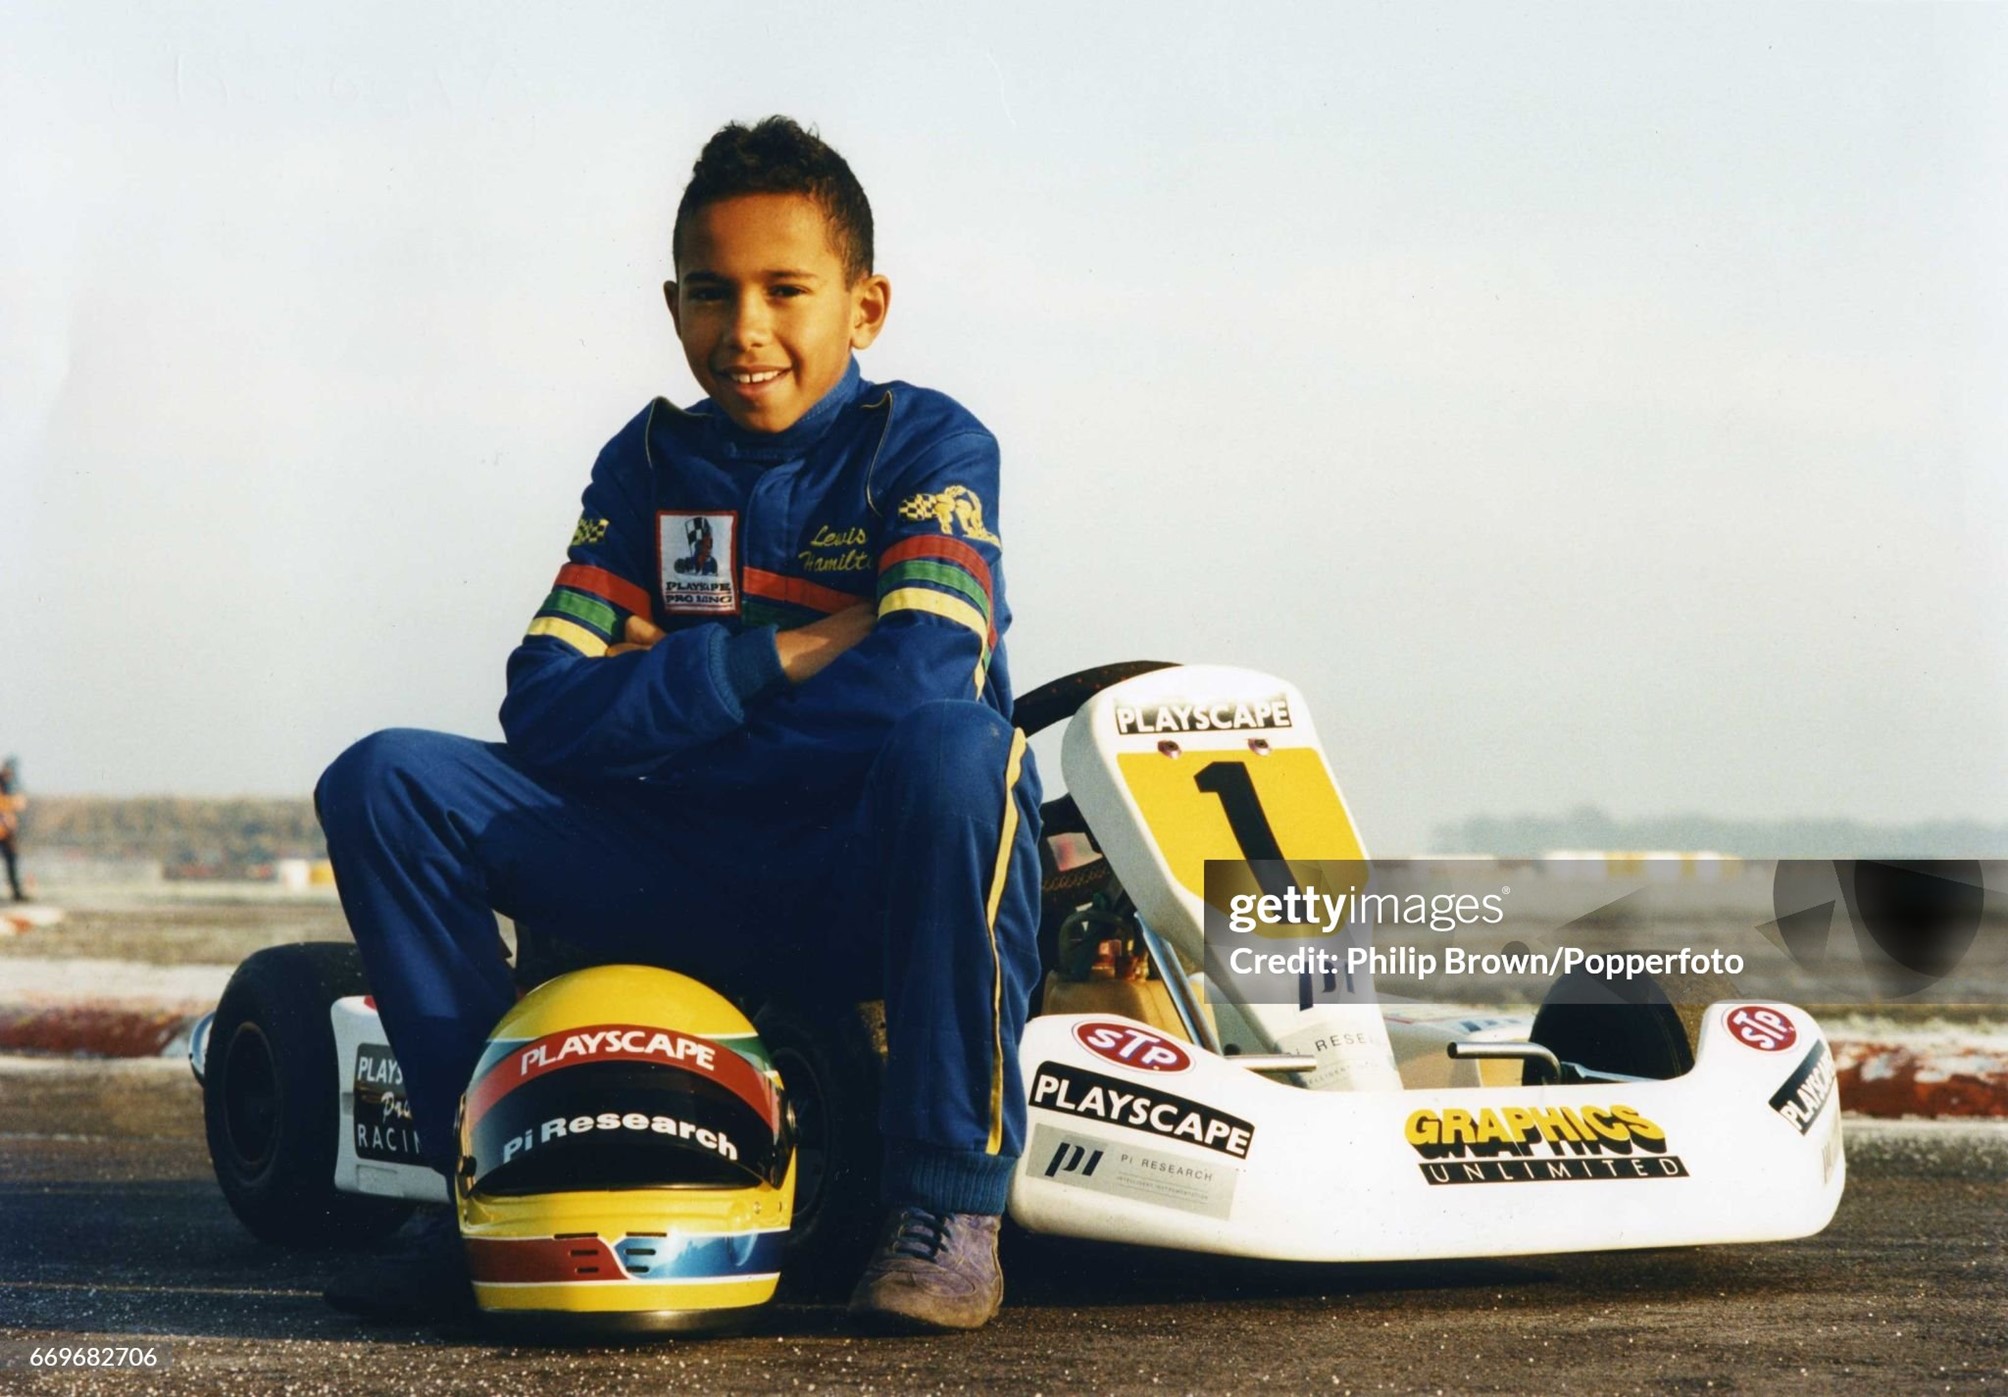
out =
column 180, row 831
column 1587, row 827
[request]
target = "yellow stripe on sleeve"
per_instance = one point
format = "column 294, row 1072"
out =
column 1005, row 839
column 952, row 608
column 573, row 634
column 940, row 604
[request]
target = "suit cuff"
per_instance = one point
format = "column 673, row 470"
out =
column 753, row 665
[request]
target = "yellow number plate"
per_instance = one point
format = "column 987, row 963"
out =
column 1190, row 826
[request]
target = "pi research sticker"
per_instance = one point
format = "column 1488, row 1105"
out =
column 1186, row 1183
column 1538, row 1145
column 1761, row 1027
column 698, row 551
column 1132, row 1045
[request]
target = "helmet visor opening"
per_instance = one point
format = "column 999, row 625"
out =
column 612, row 1125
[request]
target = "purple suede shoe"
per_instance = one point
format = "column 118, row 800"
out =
column 931, row 1272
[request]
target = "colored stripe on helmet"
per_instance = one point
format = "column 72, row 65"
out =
column 543, row 1297
column 571, row 633
column 604, row 585
column 687, row 1255
column 747, row 1045
column 625, row 1043
column 673, row 1258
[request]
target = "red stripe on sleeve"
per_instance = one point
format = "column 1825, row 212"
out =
column 773, row 586
column 953, row 550
column 601, row 583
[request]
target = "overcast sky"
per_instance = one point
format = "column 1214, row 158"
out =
column 1580, row 404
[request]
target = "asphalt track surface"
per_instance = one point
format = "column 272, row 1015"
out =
column 112, row 1232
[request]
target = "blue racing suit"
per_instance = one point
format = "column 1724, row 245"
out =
column 871, row 830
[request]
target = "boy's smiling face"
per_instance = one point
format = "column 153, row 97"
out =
column 766, row 313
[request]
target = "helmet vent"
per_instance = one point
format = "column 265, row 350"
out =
column 637, row 1252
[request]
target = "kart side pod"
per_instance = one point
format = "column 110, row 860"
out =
column 1205, row 1155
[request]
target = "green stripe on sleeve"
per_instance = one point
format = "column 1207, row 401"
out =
column 590, row 611
column 941, row 574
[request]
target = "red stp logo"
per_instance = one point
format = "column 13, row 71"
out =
column 1133, row 1045
column 1762, row 1027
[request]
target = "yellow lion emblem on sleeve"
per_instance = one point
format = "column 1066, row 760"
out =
column 955, row 507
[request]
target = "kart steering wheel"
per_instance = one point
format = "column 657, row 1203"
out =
column 1060, row 699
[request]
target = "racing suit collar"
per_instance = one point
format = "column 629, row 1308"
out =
column 804, row 433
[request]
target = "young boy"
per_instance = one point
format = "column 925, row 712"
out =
column 760, row 726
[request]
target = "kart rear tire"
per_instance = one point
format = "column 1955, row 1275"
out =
column 1638, row 1026
column 831, row 1064
column 270, row 1100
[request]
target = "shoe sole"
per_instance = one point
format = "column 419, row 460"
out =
column 880, row 1321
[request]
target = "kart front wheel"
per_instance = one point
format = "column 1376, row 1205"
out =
column 270, row 1103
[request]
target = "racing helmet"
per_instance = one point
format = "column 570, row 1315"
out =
column 626, row 1159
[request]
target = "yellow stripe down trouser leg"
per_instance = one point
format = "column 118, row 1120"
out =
column 955, row 801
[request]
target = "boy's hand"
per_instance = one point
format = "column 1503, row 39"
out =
column 639, row 635
column 807, row 649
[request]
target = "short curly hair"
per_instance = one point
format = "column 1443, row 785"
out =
column 777, row 156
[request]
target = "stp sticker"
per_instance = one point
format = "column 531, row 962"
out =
column 1761, row 1027
column 1133, row 1045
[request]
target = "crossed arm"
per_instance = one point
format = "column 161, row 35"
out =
column 804, row 651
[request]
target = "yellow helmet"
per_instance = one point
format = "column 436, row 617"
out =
column 626, row 1159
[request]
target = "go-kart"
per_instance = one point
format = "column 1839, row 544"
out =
column 1167, row 1107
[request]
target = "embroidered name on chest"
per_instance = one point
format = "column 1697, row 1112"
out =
column 836, row 550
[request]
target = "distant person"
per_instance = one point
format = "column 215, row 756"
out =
column 12, row 803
